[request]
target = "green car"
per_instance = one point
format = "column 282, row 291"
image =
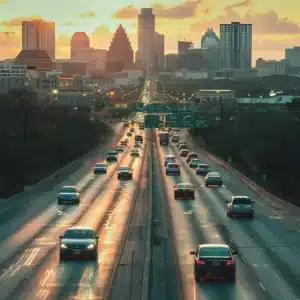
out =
column 194, row 163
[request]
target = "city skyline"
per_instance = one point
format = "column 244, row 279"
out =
column 275, row 26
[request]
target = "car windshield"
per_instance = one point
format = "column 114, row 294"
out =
column 191, row 155
column 195, row 161
column 185, row 185
column 203, row 166
column 69, row 189
column 111, row 153
column 100, row 166
column 79, row 234
column 214, row 252
column 173, row 165
column 213, row 175
column 245, row 201
column 124, row 169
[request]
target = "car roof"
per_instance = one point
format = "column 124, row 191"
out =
column 80, row 228
column 170, row 156
column 173, row 163
column 193, row 153
column 214, row 174
column 213, row 246
column 203, row 165
column 124, row 168
column 69, row 186
column 184, row 184
column 100, row 164
column 135, row 149
column 184, row 150
column 240, row 197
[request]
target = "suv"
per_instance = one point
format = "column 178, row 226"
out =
column 240, row 206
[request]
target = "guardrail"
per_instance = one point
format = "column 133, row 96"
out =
column 68, row 168
column 276, row 202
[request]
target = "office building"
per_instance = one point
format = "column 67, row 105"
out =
column 39, row 35
column 172, row 62
column 146, row 35
column 80, row 45
column 236, row 46
column 120, row 53
column 293, row 56
column 159, row 51
column 184, row 46
column 272, row 67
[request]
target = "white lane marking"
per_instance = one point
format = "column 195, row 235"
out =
column 60, row 212
column 262, row 286
column 188, row 212
column 260, row 266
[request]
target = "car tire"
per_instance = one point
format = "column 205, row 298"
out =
column 206, row 184
column 94, row 256
column 118, row 177
column 220, row 185
column 77, row 202
column 175, row 197
column 167, row 173
column 59, row 202
column 229, row 215
column 251, row 216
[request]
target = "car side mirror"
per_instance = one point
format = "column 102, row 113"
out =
column 252, row 201
column 60, row 236
column 234, row 252
column 193, row 252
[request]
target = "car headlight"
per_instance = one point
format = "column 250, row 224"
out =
column 91, row 246
column 63, row 246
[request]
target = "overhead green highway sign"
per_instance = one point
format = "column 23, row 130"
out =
column 139, row 106
column 171, row 120
column 152, row 121
column 156, row 107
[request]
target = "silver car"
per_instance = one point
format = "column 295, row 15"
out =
column 68, row 194
column 213, row 178
column 79, row 241
column 240, row 206
column 100, row 168
column 169, row 159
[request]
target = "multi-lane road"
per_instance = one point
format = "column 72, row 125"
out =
column 145, row 235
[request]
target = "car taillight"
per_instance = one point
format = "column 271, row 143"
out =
column 229, row 262
column 200, row 262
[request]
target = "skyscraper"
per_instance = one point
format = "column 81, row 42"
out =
column 80, row 45
column 236, row 46
column 183, row 46
column 159, row 50
column 120, row 53
column 146, row 32
column 39, row 35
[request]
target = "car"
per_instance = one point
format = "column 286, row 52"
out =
column 176, row 129
column 194, row 163
column 124, row 143
column 119, row 149
column 139, row 138
column 79, row 241
column 202, row 169
column 112, row 155
column 135, row 152
column 126, row 124
column 126, row 140
column 137, row 145
column 190, row 156
column 180, row 143
column 184, row 191
column 175, row 138
column 240, row 206
column 68, row 194
column 169, row 159
column 173, row 168
column 184, row 153
column 125, row 173
column 129, row 133
column 100, row 168
column 182, row 146
column 213, row 178
column 214, row 261
column 132, row 129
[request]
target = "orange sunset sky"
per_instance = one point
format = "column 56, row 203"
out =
column 276, row 24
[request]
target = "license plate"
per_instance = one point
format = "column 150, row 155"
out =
column 215, row 263
column 77, row 251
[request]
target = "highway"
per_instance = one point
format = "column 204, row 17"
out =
column 145, row 235
column 268, row 246
column 29, row 255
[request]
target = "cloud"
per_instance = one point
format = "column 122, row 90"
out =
column 69, row 23
column 3, row 1
column 263, row 23
column 127, row 12
column 88, row 14
column 183, row 10
column 245, row 3
column 17, row 22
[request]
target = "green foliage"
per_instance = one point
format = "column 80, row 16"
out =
column 54, row 136
column 268, row 141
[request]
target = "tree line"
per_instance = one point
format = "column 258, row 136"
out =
column 37, row 139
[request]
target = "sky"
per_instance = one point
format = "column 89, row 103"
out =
column 276, row 23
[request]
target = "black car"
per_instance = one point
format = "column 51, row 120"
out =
column 125, row 173
column 190, row 156
column 184, row 191
column 184, row 153
column 214, row 261
column 129, row 133
column 139, row 138
column 100, row 168
column 79, row 242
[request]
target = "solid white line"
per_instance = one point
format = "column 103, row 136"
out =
column 262, row 286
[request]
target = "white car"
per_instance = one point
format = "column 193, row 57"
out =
column 213, row 178
column 68, row 194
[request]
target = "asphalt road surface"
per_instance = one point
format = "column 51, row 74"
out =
column 268, row 246
column 29, row 255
